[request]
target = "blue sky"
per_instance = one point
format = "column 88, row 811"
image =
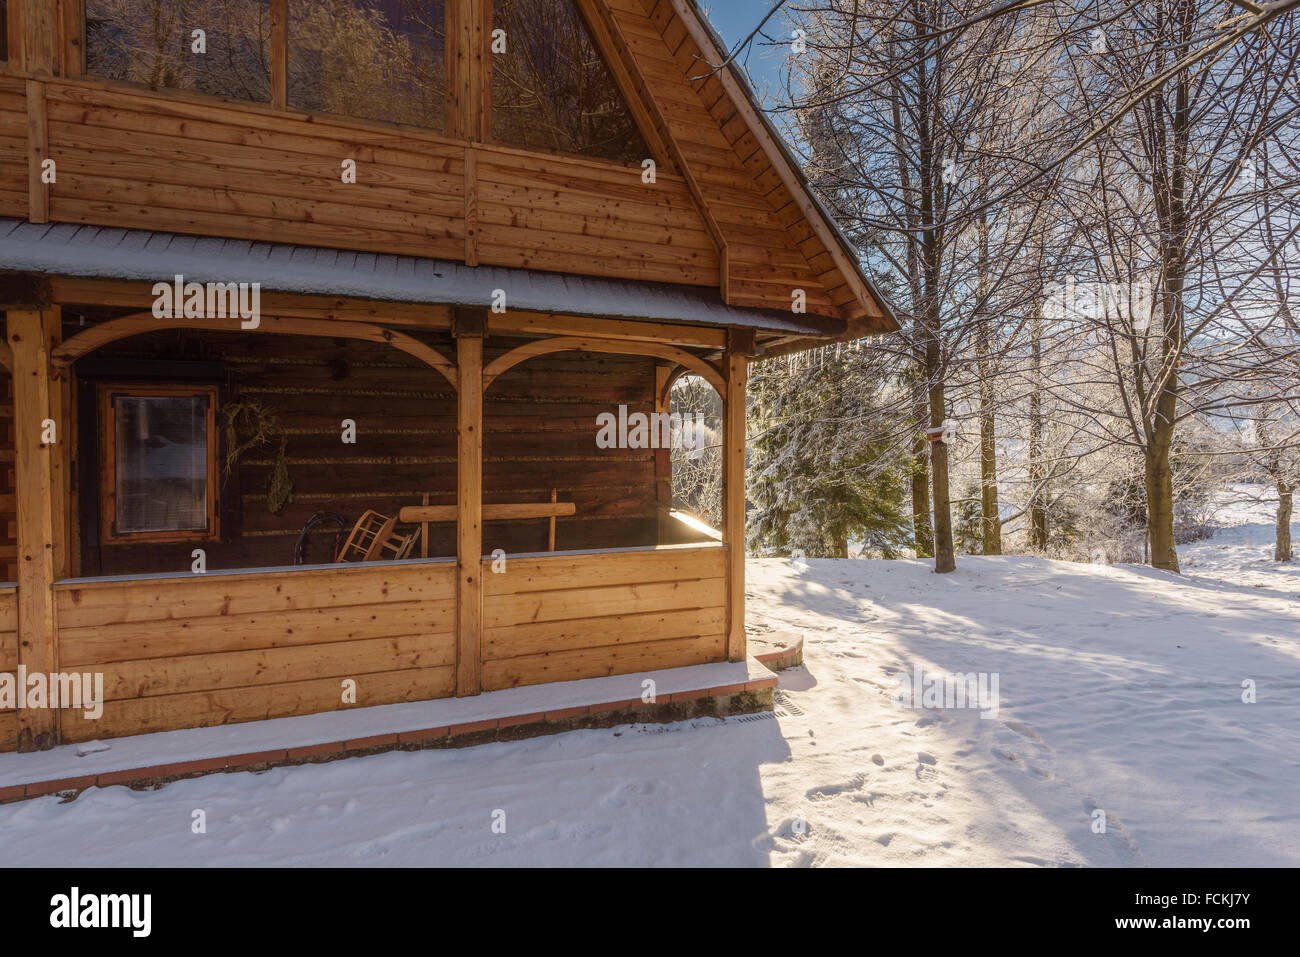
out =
column 734, row 19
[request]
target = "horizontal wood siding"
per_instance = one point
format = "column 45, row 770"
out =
column 158, row 162
column 199, row 651
column 8, row 662
column 13, row 147
column 143, row 160
column 565, row 617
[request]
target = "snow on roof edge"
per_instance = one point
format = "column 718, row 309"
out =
column 70, row 249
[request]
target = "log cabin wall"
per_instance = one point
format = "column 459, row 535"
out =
column 539, row 435
column 13, row 148
column 8, row 497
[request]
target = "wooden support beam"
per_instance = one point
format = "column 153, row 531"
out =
column 102, row 334
column 417, row 514
column 550, row 540
column 663, row 457
column 72, row 15
column 469, row 509
column 503, row 363
column 30, row 333
column 130, row 294
column 469, row 321
column 557, row 324
column 733, row 499
column 471, row 207
column 279, row 54
column 38, row 191
column 469, row 25
column 24, row 290
column 618, row 57
column 40, row 36
column 64, row 508
column 15, row 37
column 742, row 342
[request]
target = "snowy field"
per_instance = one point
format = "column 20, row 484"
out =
column 1120, row 690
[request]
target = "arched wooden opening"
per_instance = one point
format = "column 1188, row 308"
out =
column 692, row 363
column 138, row 323
column 671, row 380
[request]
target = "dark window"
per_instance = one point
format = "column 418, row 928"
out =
column 155, row 42
column 552, row 91
column 374, row 59
column 159, row 468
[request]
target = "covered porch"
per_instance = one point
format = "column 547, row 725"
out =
column 537, row 556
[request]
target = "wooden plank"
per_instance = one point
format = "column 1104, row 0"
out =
column 38, row 191
column 124, row 293
column 279, row 54
column 228, row 706
column 71, row 23
column 574, row 603
column 469, row 502
column 9, row 610
column 733, row 500
column 278, row 629
column 555, row 572
column 471, row 208
column 595, row 663
column 548, row 323
column 117, row 602
column 30, row 333
column 548, row 637
column 41, row 36
column 64, row 509
column 275, row 666
column 415, row 514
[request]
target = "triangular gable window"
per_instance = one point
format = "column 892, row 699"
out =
column 552, row 90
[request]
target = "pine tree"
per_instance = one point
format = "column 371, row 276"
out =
column 821, row 473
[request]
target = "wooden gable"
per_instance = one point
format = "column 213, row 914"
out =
column 772, row 236
column 727, row 208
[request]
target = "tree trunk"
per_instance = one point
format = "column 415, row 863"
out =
column 1282, row 547
column 990, row 520
column 945, row 555
column 842, row 547
column 990, row 526
column 1160, row 501
column 1037, row 474
column 922, row 529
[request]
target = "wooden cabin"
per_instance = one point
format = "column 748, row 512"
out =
column 391, row 260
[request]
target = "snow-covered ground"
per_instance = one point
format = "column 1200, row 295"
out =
column 1120, row 690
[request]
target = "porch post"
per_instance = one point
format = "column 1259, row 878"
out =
column 32, row 332
column 663, row 457
column 469, row 326
column 736, row 374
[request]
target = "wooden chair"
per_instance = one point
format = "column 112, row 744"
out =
column 374, row 538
